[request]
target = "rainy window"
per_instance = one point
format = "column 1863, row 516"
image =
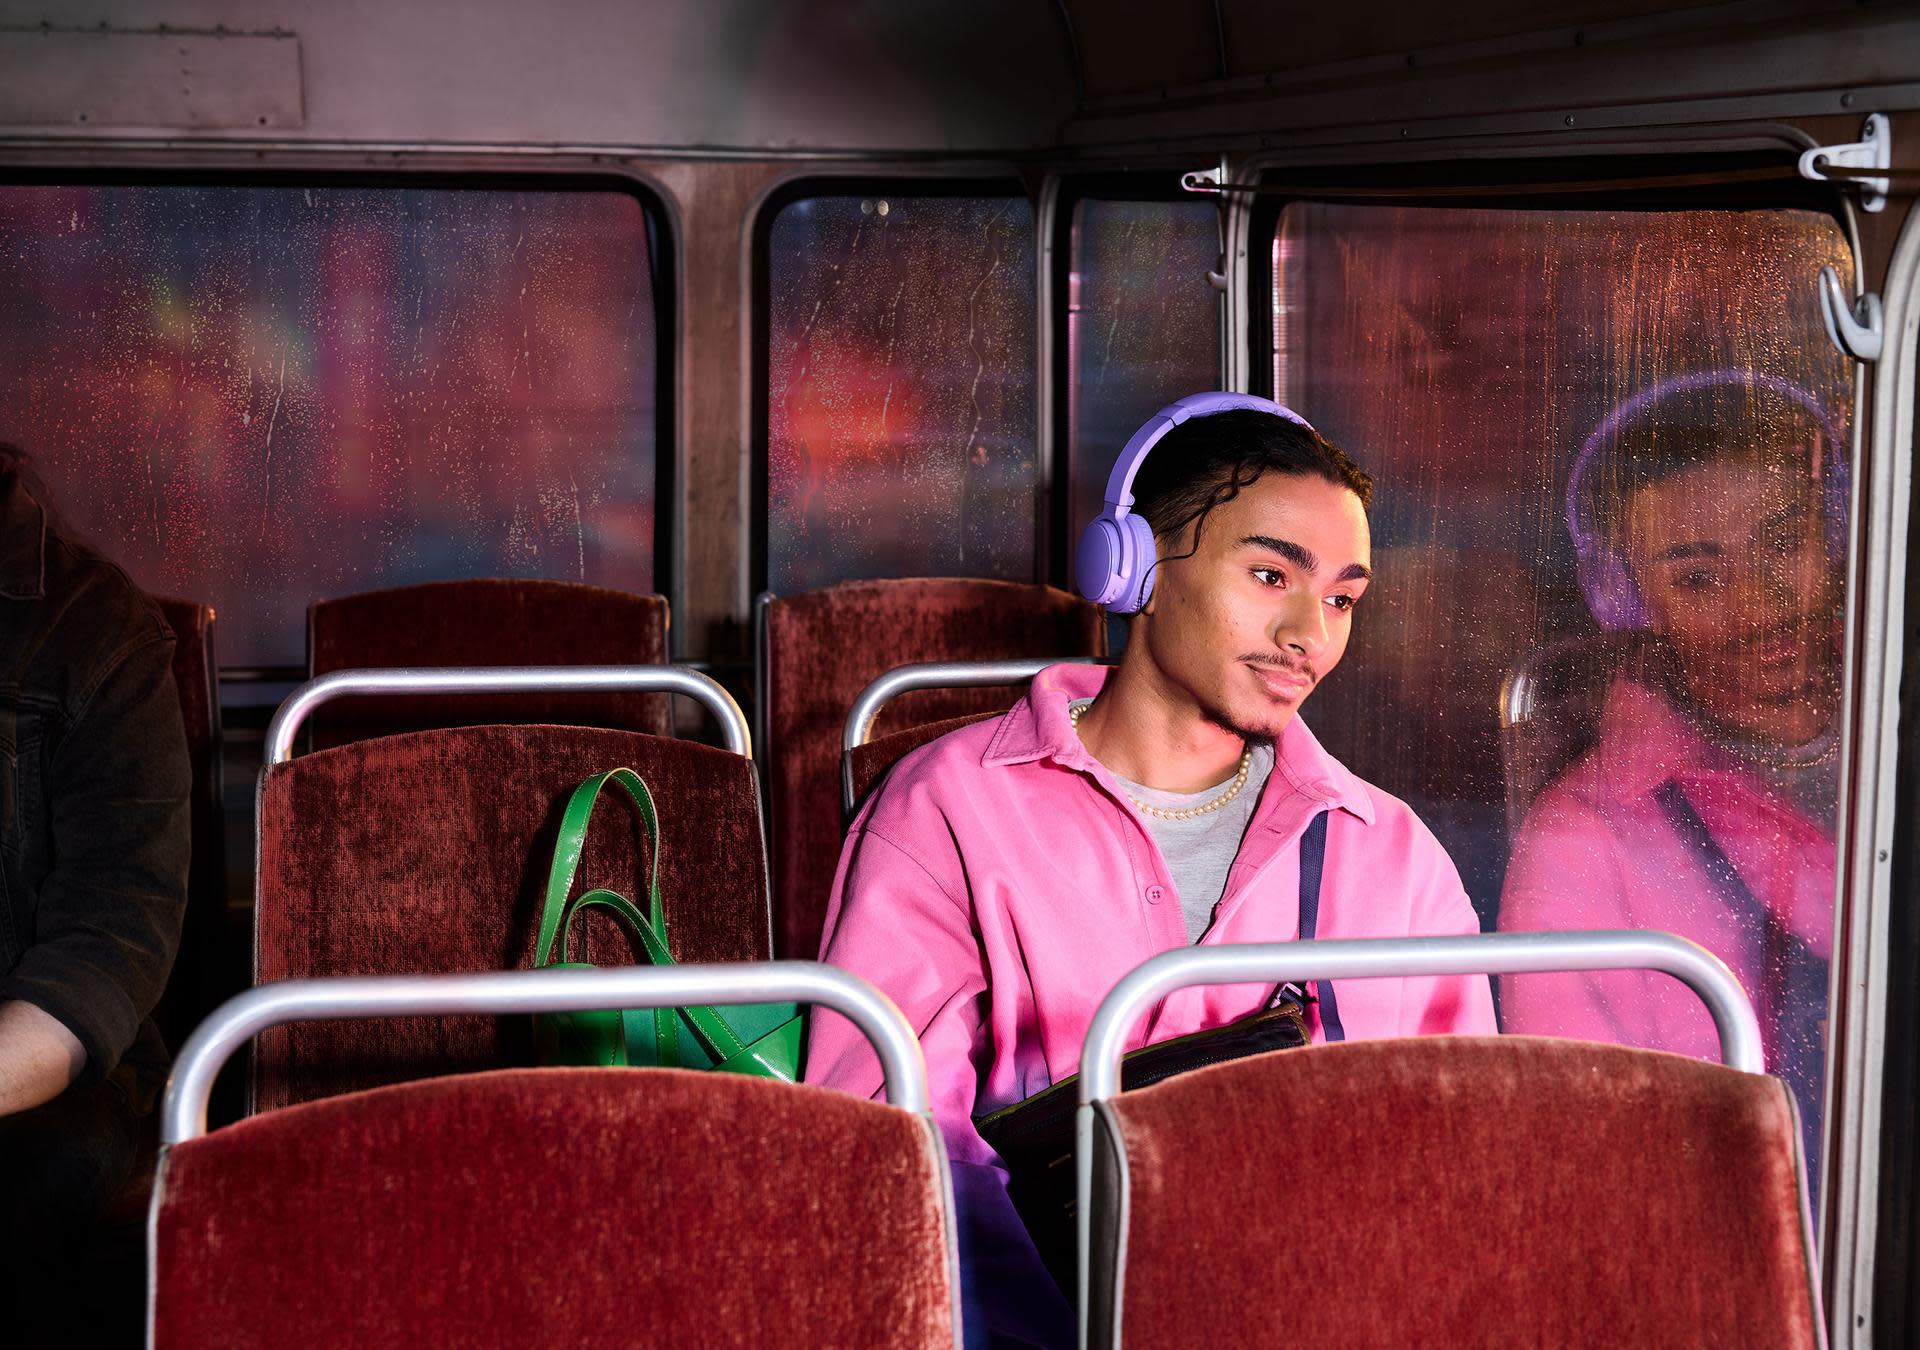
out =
column 900, row 393
column 261, row 396
column 1143, row 327
column 1602, row 658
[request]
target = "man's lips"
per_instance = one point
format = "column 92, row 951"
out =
column 1282, row 682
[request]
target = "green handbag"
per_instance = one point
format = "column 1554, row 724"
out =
column 762, row 1039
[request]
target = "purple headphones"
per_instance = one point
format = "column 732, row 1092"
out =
column 1605, row 578
column 1114, row 564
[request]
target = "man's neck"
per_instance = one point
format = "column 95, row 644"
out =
column 1151, row 732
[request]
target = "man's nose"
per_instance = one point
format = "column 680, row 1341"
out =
column 1301, row 625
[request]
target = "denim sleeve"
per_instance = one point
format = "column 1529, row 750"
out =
column 107, row 915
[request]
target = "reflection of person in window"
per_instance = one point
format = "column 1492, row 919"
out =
column 93, row 861
column 1709, row 513
column 1007, row 876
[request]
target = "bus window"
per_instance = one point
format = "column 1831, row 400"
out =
column 900, row 389
column 1143, row 327
column 258, row 396
column 1603, row 656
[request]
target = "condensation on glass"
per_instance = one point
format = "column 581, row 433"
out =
column 261, row 396
column 900, row 404
column 1143, row 328
column 1602, row 658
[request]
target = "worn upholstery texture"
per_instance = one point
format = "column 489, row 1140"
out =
column 559, row 1207
column 824, row 647
column 1465, row 1191
column 488, row 621
column 429, row 852
column 871, row 761
column 208, row 967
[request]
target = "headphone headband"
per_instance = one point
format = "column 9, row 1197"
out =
column 1134, row 454
column 1114, row 562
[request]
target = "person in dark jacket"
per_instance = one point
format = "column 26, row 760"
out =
column 94, row 838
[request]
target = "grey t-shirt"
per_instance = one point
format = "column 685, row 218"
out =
column 1200, row 851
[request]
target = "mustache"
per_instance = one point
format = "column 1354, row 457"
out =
column 1292, row 665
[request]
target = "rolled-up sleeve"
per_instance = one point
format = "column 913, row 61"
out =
column 108, row 913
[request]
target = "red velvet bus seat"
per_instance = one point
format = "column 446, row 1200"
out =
column 428, row 853
column 488, row 621
column 870, row 762
column 209, row 966
column 824, row 647
column 1460, row 1191
column 559, row 1207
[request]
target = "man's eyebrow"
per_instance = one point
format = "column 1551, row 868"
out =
column 1303, row 558
column 1300, row 557
column 1698, row 548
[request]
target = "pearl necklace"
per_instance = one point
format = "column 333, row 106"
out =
column 1188, row 812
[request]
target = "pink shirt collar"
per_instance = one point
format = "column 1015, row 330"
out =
column 1039, row 727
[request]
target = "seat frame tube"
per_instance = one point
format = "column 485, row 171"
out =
column 404, row 680
column 865, row 711
column 183, row 1111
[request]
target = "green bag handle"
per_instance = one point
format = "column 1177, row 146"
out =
column 556, row 916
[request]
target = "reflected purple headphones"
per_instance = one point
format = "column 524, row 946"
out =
column 1605, row 578
column 1114, row 564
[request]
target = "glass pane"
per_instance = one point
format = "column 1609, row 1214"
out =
column 900, row 407
column 1648, row 737
column 261, row 396
column 1143, row 327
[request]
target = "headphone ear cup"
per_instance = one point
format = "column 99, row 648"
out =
column 1098, row 560
column 1139, row 554
column 1612, row 598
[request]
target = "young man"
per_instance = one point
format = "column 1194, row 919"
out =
column 1710, row 513
column 94, row 839
column 1007, row 876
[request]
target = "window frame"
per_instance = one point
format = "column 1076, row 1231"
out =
column 663, row 260
column 992, row 182
column 1068, row 192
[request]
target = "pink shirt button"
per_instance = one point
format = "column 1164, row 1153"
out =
column 1155, row 894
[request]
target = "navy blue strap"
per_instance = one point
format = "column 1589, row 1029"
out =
column 1313, row 863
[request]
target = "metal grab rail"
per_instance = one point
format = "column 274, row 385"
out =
column 300, row 704
column 1477, row 954
column 183, row 1111
column 932, row 675
column 1358, row 958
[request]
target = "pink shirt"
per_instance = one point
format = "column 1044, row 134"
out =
column 1000, row 884
column 1596, row 851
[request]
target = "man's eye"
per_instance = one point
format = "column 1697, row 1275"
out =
column 1695, row 581
column 1342, row 602
column 1268, row 576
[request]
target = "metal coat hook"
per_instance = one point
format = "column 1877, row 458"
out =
column 1857, row 326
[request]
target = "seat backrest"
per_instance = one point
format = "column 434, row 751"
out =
column 1455, row 1191
column 870, row 761
column 428, row 852
column 209, row 966
column 559, row 1207
column 819, row 650
column 1550, row 712
column 488, row 621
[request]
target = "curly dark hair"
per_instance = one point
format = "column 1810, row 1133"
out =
column 1205, row 462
